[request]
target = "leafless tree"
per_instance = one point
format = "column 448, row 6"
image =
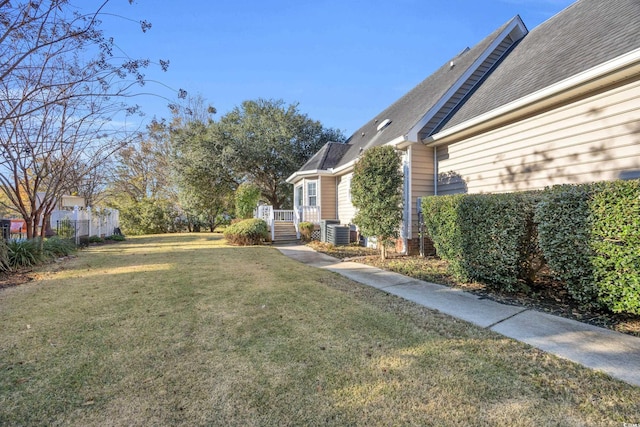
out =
column 61, row 85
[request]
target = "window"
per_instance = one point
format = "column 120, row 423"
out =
column 298, row 198
column 312, row 193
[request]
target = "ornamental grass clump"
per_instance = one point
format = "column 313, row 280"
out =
column 56, row 247
column 248, row 232
column 23, row 253
column 306, row 231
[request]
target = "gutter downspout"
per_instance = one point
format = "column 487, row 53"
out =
column 435, row 171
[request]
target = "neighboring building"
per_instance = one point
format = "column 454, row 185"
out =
column 519, row 111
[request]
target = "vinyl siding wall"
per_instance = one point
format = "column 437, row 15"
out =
column 421, row 163
column 593, row 139
column 346, row 211
column 327, row 199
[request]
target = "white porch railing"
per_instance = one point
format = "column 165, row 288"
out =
column 264, row 212
column 296, row 216
column 309, row 214
column 280, row 215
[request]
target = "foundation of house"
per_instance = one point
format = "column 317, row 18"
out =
column 413, row 246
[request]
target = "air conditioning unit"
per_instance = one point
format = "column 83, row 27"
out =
column 323, row 228
column 338, row 235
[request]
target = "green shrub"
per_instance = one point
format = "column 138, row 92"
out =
column 306, row 230
column 23, row 253
column 440, row 215
column 247, row 197
column 590, row 236
column 490, row 238
column 564, row 234
column 248, row 232
column 499, row 245
column 55, row 247
column 95, row 239
column 4, row 256
column 116, row 238
column 615, row 241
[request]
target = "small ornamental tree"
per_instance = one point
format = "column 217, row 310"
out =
column 376, row 191
column 247, row 197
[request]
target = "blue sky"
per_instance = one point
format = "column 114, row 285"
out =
column 342, row 61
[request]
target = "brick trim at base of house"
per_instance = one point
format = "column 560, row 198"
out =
column 413, row 246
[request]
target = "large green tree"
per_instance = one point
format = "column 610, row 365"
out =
column 205, row 181
column 268, row 141
column 376, row 191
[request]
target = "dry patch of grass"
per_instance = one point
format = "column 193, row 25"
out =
column 184, row 330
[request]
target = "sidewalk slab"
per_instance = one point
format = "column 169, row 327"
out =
column 455, row 302
column 368, row 275
column 602, row 349
column 306, row 255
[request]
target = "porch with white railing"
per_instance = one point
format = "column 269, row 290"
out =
column 279, row 218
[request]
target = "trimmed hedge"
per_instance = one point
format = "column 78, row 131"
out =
column 564, row 233
column 247, row 232
column 615, row 222
column 440, row 215
column 499, row 239
column 589, row 235
column 490, row 238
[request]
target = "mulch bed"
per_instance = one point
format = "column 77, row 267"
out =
column 15, row 278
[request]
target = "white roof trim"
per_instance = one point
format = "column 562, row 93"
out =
column 599, row 71
column 335, row 171
column 344, row 168
column 301, row 174
column 520, row 31
column 399, row 140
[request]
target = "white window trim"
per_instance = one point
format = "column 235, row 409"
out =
column 296, row 198
column 307, row 196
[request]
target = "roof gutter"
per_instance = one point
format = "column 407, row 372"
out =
column 300, row 174
column 613, row 70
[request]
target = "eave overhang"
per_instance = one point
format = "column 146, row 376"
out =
column 605, row 74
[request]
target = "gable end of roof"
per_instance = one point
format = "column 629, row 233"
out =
column 501, row 45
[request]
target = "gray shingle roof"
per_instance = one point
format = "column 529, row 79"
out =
column 410, row 108
column 584, row 35
column 326, row 158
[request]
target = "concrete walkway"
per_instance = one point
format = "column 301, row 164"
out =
column 602, row 349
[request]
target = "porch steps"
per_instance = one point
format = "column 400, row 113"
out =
column 284, row 232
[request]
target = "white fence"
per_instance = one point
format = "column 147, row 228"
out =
column 90, row 221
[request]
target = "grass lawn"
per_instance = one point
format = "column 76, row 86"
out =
column 184, row 330
column 546, row 294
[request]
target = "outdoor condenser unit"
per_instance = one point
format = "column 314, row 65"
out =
column 323, row 228
column 338, row 235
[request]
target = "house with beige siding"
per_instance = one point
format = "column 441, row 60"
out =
column 521, row 110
